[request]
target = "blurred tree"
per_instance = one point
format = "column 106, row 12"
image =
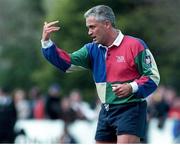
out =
column 19, row 29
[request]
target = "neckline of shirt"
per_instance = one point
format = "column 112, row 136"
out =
column 116, row 42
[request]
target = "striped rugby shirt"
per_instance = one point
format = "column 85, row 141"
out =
column 127, row 60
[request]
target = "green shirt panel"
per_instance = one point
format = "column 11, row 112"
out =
column 143, row 63
column 81, row 58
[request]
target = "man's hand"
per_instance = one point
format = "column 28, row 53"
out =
column 48, row 29
column 122, row 90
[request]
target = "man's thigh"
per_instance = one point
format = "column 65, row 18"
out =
column 126, row 139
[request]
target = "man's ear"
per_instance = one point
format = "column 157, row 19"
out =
column 108, row 24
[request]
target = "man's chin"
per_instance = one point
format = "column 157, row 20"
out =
column 95, row 41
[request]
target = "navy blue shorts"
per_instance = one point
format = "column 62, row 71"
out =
column 121, row 119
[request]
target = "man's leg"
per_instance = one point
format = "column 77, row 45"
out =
column 126, row 138
column 104, row 142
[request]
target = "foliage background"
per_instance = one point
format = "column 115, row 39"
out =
column 21, row 61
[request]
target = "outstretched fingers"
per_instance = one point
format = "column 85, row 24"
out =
column 50, row 23
column 51, row 29
column 48, row 29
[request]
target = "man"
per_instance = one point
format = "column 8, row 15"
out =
column 124, row 71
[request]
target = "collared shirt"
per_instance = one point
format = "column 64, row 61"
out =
column 127, row 61
column 117, row 42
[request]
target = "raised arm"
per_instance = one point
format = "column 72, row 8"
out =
column 58, row 57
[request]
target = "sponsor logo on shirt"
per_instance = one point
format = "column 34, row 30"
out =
column 120, row 59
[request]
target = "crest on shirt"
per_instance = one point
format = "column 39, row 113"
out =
column 148, row 60
column 120, row 59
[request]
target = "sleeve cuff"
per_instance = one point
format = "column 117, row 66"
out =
column 46, row 44
column 134, row 86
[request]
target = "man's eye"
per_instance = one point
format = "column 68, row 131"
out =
column 92, row 27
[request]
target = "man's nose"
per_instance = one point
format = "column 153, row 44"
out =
column 90, row 32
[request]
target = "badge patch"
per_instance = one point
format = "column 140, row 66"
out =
column 120, row 59
column 148, row 60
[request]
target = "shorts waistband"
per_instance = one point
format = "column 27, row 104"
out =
column 107, row 106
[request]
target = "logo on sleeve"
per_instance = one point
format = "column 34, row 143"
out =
column 148, row 60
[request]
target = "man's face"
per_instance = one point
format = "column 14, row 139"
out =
column 96, row 30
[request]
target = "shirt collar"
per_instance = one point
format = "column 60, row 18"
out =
column 116, row 42
column 118, row 39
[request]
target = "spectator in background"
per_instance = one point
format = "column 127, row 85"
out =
column 53, row 99
column 8, row 117
column 66, row 137
column 176, row 130
column 67, row 114
column 37, row 102
column 174, row 114
column 158, row 107
column 22, row 104
column 169, row 95
column 82, row 108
